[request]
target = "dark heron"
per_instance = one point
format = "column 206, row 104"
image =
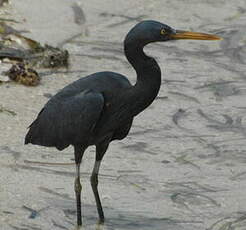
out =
column 100, row 108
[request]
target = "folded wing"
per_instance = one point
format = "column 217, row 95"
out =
column 66, row 120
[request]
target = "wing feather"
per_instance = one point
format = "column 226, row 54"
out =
column 65, row 121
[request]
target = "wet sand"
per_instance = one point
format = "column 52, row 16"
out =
column 182, row 167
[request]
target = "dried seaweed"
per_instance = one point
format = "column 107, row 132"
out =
column 191, row 186
column 70, row 39
column 98, row 43
column 58, row 225
column 34, row 213
column 208, row 118
column 185, row 96
column 188, row 199
column 137, row 186
column 167, row 81
column 239, row 176
column 125, row 20
column 99, row 57
column 177, row 116
column 141, row 132
column 48, row 163
column 232, row 69
column 20, row 228
column 64, row 196
column 175, row 197
column 188, row 136
column 15, row 154
column 228, row 119
column 182, row 160
column 43, row 170
column 79, row 15
column 223, row 89
column 236, row 221
column 8, row 212
column 240, row 12
column 69, row 212
column 51, row 171
column 140, row 147
column 48, row 95
column 117, row 51
column 129, row 171
column 229, row 124
column 7, row 111
column 213, row 84
column 161, row 98
column 31, row 227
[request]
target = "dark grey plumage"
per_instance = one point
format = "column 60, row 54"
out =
column 100, row 108
column 74, row 114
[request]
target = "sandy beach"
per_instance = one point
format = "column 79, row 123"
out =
column 182, row 167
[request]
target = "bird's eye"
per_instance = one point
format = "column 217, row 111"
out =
column 163, row 31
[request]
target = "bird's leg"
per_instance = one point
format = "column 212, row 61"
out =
column 77, row 189
column 77, row 184
column 100, row 151
column 94, row 184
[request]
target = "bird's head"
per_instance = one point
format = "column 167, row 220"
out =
column 152, row 31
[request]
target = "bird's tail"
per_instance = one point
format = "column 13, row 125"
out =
column 43, row 136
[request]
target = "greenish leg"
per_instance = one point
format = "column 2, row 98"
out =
column 78, row 188
column 94, row 184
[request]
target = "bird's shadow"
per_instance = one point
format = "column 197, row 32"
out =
column 117, row 219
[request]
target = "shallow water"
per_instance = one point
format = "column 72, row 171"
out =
column 182, row 165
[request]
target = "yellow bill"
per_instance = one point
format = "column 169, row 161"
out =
column 180, row 34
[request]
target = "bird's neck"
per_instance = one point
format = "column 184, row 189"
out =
column 148, row 77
